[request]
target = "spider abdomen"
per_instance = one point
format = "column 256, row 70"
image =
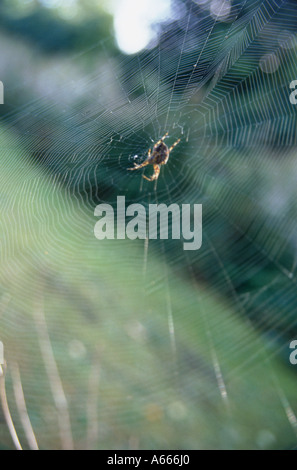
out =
column 160, row 154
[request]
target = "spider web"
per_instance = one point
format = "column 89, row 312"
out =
column 139, row 344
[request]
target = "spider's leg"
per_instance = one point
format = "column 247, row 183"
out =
column 155, row 176
column 161, row 140
column 146, row 162
column 174, row 145
column 137, row 167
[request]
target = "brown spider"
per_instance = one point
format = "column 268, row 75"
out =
column 159, row 157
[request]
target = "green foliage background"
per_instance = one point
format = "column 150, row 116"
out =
column 128, row 382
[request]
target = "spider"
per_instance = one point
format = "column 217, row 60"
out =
column 159, row 157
